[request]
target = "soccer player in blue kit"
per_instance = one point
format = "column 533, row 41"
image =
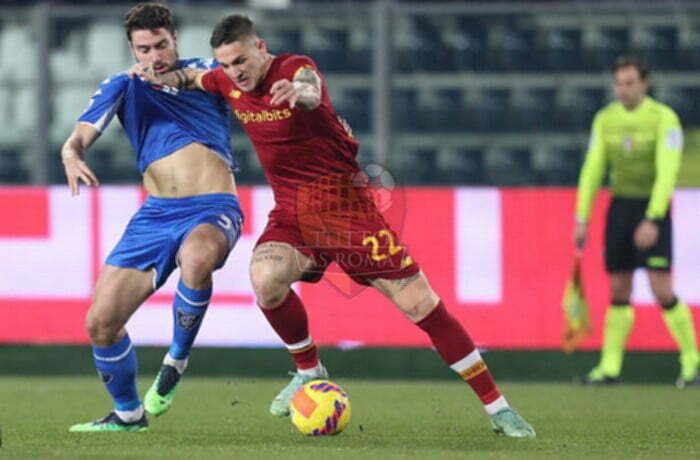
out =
column 191, row 218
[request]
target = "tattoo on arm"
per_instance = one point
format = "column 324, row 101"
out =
column 308, row 84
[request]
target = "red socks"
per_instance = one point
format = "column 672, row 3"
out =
column 290, row 322
column 456, row 348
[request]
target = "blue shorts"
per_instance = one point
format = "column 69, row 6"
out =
column 157, row 230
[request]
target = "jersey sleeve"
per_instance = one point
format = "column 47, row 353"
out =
column 592, row 172
column 210, row 82
column 293, row 65
column 105, row 102
column 669, row 148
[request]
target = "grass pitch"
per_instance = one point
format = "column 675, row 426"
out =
column 227, row 418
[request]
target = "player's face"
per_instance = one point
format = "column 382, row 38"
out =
column 629, row 87
column 154, row 48
column 245, row 62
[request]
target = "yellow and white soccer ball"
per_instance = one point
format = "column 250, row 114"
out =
column 320, row 408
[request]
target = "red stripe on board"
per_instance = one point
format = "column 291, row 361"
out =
column 43, row 321
column 24, row 212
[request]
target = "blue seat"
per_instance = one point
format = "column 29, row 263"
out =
column 689, row 51
column 280, row 41
column 12, row 171
column 415, row 166
column 464, row 166
column 468, row 47
column 576, row 108
column 250, row 171
column 488, row 110
column 421, row 47
column 659, row 45
column 444, row 112
column 355, row 105
column 359, row 56
column 329, row 48
column 532, row 109
column 508, row 167
column 404, row 109
column 685, row 100
column 512, row 49
column 561, row 49
column 604, row 46
column 557, row 166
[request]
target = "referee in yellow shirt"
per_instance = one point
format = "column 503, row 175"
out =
column 640, row 140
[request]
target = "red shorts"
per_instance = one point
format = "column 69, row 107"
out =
column 359, row 240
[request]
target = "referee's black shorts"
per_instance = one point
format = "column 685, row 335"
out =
column 624, row 214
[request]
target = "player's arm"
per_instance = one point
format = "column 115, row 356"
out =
column 303, row 92
column 589, row 180
column 186, row 78
column 73, row 157
column 669, row 147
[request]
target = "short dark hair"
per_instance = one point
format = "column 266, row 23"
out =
column 630, row 60
column 231, row 29
column 148, row 16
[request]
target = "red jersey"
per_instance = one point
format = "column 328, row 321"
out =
column 307, row 155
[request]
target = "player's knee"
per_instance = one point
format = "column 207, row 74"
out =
column 199, row 262
column 269, row 284
column 102, row 330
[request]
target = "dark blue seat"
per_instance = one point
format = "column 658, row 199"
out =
column 513, row 50
column 508, row 167
column 280, row 41
column 659, row 45
column 444, row 111
column 423, row 48
column 404, row 109
column 468, row 47
column 557, row 165
column 532, row 109
column 685, row 100
column 689, row 51
column 250, row 171
column 605, row 46
column 576, row 110
column 329, row 48
column 355, row 105
column 488, row 110
column 561, row 49
column 464, row 166
column 359, row 57
column 12, row 171
column 416, row 166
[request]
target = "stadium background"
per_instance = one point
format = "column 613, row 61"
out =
column 480, row 111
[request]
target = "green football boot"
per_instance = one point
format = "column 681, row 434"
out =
column 509, row 423
column 280, row 405
column 111, row 422
column 159, row 398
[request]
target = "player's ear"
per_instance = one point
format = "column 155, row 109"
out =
column 262, row 46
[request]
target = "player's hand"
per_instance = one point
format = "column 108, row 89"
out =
column 646, row 234
column 143, row 71
column 580, row 235
column 284, row 91
column 77, row 170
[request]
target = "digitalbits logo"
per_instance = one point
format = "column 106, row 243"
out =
column 351, row 223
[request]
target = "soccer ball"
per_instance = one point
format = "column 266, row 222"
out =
column 320, row 408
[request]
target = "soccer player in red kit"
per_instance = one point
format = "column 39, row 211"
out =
column 323, row 211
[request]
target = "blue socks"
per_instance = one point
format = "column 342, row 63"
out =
column 117, row 367
column 189, row 307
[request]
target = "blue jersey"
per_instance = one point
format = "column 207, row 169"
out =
column 160, row 119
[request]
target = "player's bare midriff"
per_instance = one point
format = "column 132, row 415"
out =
column 190, row 171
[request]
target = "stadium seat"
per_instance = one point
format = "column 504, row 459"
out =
column 417, row 166
column 556, row 165
column 488, row 109
column 561, row 49
column 359, row 59
column 511, row 49
column 282, row 40
column 24, row 109
column 69, row 102
column 464, row 166
column 508, row 167
column 355, row 105
column 659, row 45
column 443, row 109
column 12, row 171
column 532, row 109
column 575, row 107
column 419, row 46
column 329, row 48
column 107, row 51
column 404, row 108
column 193, row 41
column 468, row 45
column 684, row 100
column 17, row 54
column 603, row 45
column 250, row 170
column 689, row 50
